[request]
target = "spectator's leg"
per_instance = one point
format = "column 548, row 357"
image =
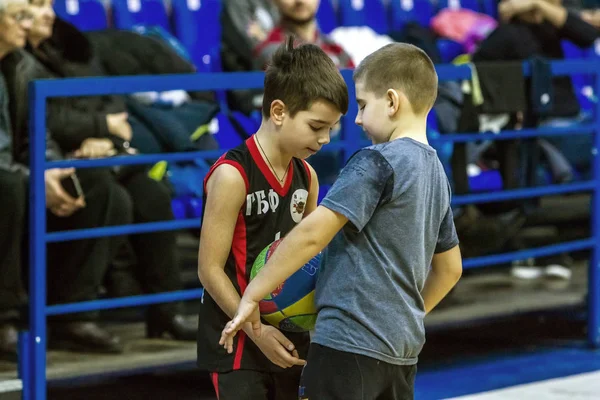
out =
column 157, row 266
column 76, row 269
column 12, row 294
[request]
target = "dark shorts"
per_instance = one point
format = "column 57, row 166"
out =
column 336, row 375
column 255, row 385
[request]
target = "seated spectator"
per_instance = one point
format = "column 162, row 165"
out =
column 299, row 18
column 87, row 135
column 74, row 269
column 536, row 28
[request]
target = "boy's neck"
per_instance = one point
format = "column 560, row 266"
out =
column 267, row 140
column 306, row 32
column 411, row 127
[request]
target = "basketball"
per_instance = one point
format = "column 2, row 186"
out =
column 291, row 306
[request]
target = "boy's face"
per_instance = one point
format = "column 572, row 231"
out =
column 373, row 114
column 309, row 130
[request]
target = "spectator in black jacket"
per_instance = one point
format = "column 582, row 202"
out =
column 155, row 259
column 536, row 28
column 74, row 269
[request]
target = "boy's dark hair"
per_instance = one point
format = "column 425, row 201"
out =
column 300, row 76
column 402, row 66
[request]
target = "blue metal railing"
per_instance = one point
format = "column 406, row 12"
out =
column 32, row 368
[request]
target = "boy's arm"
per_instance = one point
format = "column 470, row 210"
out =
column 304, row 242
column 313, row 194
column 226, row 195
column 446, row 269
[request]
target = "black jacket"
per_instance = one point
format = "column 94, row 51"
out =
column 19, row 68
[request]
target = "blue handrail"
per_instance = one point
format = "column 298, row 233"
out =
column 32, row 368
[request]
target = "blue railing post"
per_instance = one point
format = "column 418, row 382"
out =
column 593, row 328
column 37, row 246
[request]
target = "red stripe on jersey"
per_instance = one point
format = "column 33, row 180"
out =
column 215, row 381
column 234, row 164
column 237, row 361
column 308, row 174
column 266, row 171
column 238, row 248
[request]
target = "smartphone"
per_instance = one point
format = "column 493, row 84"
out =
column 72, row 186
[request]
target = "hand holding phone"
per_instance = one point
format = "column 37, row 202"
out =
column 58, row 199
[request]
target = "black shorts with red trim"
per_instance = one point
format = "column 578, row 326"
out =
column 255, row 385
column 246, row 355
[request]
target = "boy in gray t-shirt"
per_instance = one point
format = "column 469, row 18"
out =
column 385, row 221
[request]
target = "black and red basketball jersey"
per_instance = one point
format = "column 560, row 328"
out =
column 269, row 212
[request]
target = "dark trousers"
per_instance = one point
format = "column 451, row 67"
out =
column 336, row 375
column 13, row 200
column 153, row 256
column 75, row 269
column 255, row 385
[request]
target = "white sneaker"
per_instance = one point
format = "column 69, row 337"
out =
column 525, row 272
column 556, row 271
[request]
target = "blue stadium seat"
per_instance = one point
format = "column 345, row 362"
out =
column 128, row 13
column 369, row 13
column 86, row 15
column 490, row 7
column 582, row 84
column 457, row 4
column 405, row 11
column 327, row 17
column 197, row 26
column 449, row 49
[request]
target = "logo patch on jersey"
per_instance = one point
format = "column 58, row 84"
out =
column 298, row 204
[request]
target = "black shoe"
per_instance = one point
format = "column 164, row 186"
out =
column 9, row 337
column 177, row 326
column 86, row 337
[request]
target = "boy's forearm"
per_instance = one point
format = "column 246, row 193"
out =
column 297, row 249
column 216, row 282
column 437, row 286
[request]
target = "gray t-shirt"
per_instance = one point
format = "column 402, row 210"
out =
column 396, row 197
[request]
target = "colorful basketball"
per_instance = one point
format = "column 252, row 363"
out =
column 290, row 307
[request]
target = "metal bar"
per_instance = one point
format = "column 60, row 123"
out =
column 77, row 234
column 485, row 261
column 593, row 325
column 72, row 87
column 135, row 160
column 37, row 245
column 577, row 129
column 132, row 301
column 549, row 190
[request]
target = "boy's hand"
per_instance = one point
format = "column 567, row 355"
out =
column 277, row 348
column 247, row 312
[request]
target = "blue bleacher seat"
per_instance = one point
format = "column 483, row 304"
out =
column 582, row 84
column 128, row 13
column 327, row 17
column 86, row 15
column 197, row 26
column 404, row 11
column 457, row 4
column 490, row 7
column 449, row 49
column 371, row 13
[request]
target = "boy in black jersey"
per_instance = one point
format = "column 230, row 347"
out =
column 255, row 194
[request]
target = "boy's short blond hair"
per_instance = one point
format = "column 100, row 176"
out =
column 403, row 67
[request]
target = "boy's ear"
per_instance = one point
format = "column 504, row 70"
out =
column 278, row 111
column 393, row 99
